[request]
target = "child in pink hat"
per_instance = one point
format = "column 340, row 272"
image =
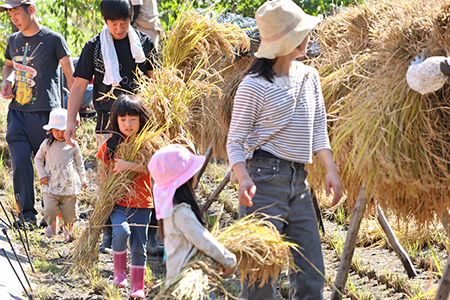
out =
column 173, row 169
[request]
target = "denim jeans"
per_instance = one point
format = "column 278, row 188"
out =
column 132, row 223
column 282, row 190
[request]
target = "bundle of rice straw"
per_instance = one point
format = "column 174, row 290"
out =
column 137, row 149
column 384, row 135
column 185, row 92
column 261, row 252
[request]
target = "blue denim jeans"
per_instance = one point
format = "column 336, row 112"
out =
column 282, row 190
column 132, row 223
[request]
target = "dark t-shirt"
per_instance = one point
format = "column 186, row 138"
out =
column 91, row 64
column 36, row 86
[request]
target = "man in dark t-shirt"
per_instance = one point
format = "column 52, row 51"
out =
column 117, row 15
column 32, row 57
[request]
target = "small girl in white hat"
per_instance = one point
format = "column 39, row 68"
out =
column 173, row 169
column 61, row 173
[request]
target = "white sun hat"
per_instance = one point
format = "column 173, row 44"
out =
column 283, row 26
column 58, row 119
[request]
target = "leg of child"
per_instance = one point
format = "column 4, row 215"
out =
column 51, row 212
column 138, row 241
column 69, row 215
column 120, row 233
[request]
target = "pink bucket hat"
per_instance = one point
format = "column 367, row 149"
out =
column 171, row 167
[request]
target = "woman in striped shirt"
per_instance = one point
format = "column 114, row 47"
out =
column 278, row 123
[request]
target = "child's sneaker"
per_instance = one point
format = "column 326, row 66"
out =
column 52, row 229
column 67, row 229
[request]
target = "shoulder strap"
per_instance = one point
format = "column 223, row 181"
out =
column 262, row 142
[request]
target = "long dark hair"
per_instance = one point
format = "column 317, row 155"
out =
column 185, row 194
column 116, row 10
column 126, row 104
column 262, row 67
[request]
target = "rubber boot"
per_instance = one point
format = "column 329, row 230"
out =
column 120, row 268
column 137, row 275
column 106, row 245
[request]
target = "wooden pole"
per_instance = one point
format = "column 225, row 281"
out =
column 208, row 155
column 350, row 244
column 401, row 253
column 444, row 284
column 216, row 193
column 318, row 211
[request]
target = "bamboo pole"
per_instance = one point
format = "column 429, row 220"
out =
column 318, row 211
column 208, row 155
column 401, row 253
column 350, row 244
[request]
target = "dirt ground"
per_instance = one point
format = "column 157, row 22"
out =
column 378, row 275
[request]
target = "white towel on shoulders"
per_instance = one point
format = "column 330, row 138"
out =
column 112, row 71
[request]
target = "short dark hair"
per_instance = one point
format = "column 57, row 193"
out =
column 116, row 10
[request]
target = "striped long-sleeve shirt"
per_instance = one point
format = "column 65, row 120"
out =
column 261, row 108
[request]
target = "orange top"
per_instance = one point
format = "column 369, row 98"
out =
column 141, row 185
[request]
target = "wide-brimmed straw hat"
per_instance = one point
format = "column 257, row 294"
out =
column 283, row 26
column 10, row 4
column 171, row 167
column 58, row 119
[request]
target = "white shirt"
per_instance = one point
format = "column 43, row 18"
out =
column 184, row 236
column 63, row 165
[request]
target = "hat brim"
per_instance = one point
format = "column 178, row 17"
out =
column 291, row 40
column 59, row 127
column 5, row 7
column 163, row 195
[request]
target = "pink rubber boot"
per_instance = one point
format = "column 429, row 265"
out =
column 137, row 274
column 120, row 268
column 67, row 229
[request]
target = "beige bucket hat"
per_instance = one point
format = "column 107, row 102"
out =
column 283, row 26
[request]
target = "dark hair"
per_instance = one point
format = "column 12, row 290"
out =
column 49, row 136
column 262, row 67
column 126, row 104
column 116, row 10
column 25, row 8
column 185, row 194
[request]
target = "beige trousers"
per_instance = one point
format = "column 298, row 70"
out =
column 55, row 205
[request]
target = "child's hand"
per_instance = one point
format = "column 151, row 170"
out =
column 44, row 181
column 84, row 185
column 226, row 272
column 120, row 166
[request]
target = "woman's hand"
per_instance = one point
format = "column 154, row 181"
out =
column 247, row 187
column 246, row 191
column 332, row 181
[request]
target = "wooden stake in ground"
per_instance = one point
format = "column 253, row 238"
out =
column 350, row 244
column 444, row 284
column 401, row 253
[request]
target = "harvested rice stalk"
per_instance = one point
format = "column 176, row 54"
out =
column 384, row 134
column 138, row 149
column 261, row 252
column 185, row 92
